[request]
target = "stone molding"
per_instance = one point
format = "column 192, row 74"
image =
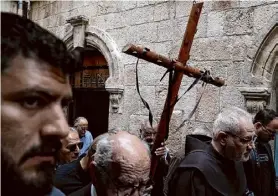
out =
column 256, row 98
column 83, row 36
column 79, row 24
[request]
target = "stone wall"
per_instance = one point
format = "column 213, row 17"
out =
column 229, row 34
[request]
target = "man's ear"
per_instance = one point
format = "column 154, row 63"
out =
column 222, row 138
column 258, row 125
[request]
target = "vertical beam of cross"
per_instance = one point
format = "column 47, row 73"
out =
column 177, row 78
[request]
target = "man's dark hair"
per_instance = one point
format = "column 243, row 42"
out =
column 21, row 36
column 265, row 116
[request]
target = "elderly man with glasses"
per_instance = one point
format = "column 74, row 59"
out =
column 214, row 167
column 71, row 146
column 260, row 171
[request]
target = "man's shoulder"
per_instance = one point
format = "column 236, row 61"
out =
column 88, row 134
column 66, row 169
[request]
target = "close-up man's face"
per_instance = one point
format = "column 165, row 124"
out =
column 71, row 146
column 267, row 133
column 239, row 145
column 33, row 122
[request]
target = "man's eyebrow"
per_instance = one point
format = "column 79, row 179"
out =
column 34, row 90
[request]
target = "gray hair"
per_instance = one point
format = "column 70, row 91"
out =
column 229, row 120
column 77, row 120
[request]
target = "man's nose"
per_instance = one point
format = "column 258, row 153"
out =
column 251, row 146
column 55, row 123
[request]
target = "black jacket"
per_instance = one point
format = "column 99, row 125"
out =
column 260, row 171
column 204, row 172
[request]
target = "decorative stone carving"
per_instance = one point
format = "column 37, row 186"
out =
column 115, row 99
column 256, row 98
column 79, row 27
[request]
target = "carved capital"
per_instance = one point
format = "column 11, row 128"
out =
column 115, row 99
column 78, row 20
column 256, row 98
column 79, row 27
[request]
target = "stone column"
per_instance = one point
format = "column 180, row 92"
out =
column 79, row 24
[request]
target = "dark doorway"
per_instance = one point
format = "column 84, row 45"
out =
column 93, row 105
column 90, row 98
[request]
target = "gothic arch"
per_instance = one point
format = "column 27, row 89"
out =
column 263, row 67
column 94, row 37
column 266, row 58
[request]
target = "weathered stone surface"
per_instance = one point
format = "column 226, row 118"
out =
column 230, row 96
column 215, row 24
column 139, row 15
column 222, row 48
column 238, row 22
column 223, row 5
column 162, row 11
column 209, row 104
column 253, row 3
column 165, row 30
column 202, row 26
column 264, row 14
column 183, row 8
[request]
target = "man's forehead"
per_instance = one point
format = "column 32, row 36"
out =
column 25, row 74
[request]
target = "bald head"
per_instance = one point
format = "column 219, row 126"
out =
column 122, row 157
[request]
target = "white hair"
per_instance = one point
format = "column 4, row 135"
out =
column 77, row 120
column 229, row 120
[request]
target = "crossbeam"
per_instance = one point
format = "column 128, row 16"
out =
column 143, row 53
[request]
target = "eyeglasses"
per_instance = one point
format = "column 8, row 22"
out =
column 72, row 147
column 247, row 140
column 129, row 190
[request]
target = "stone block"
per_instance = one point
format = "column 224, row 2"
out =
column 165, row 30
column 162, row 11
column 183, row 8
column 105, row 7
column 246, row 3
column 109, row 21
column 238, row 21
column 262, row 16
column 234, row 73
column 222, row 48
column 209, row 104
column 135, row 122
column 215, row 24
column 148, row 94
column 53, row 7
column 179, row 28
column 202, row 26
column 127, row 5
column 139, row 16
column 131, row 101
column 143, row 32
column 231, row 96
column 223, row 5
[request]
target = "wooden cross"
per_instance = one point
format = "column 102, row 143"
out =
column 180, row 68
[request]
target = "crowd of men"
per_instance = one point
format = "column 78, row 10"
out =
column 41, row 155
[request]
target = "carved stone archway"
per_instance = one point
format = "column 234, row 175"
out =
column 83, row 36
column 264, row 64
